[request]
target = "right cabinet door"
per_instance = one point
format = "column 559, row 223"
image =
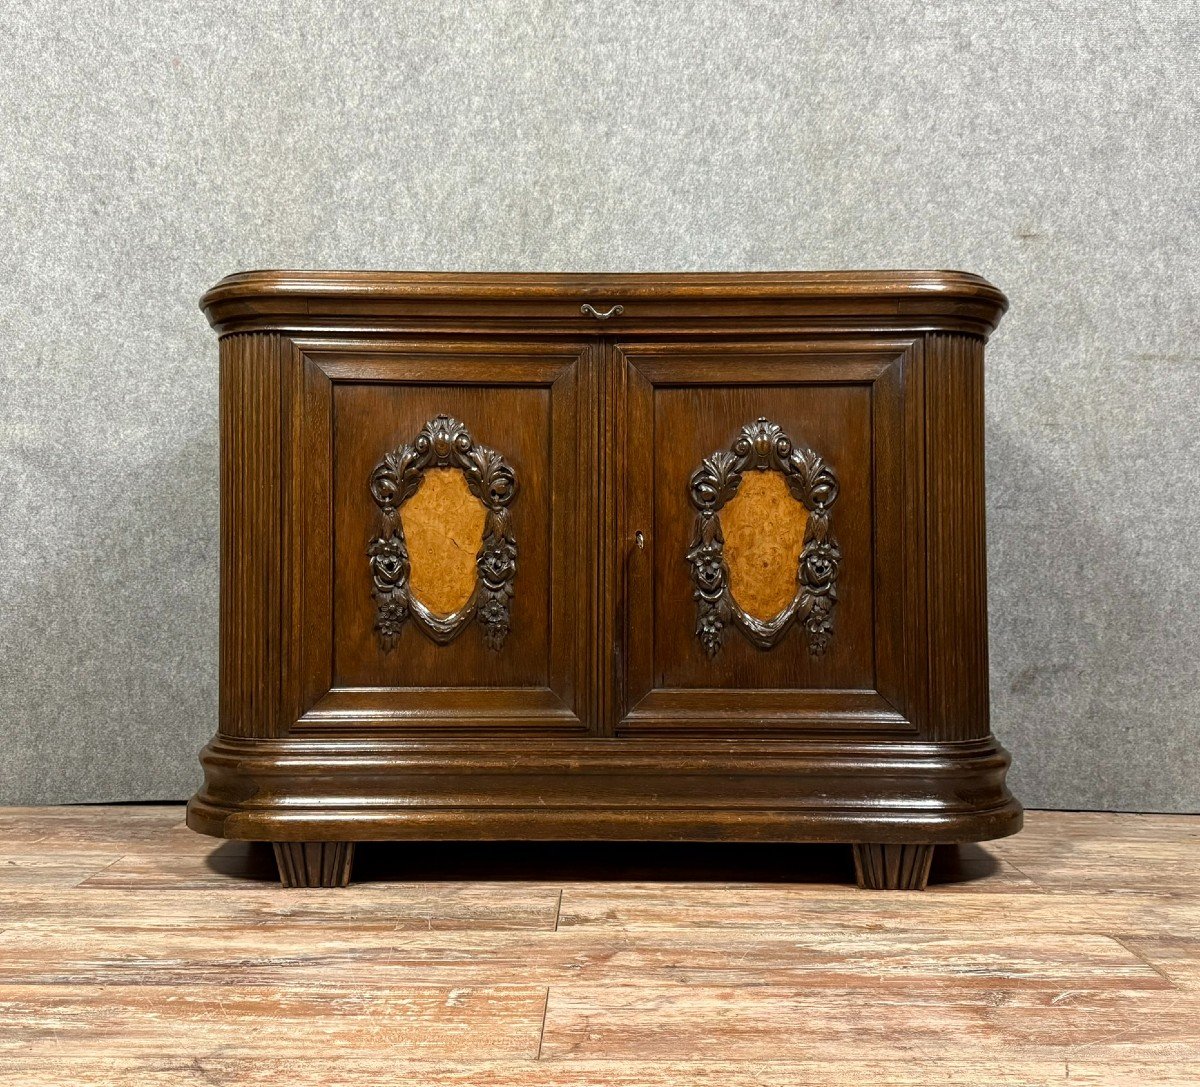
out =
column 768, row 538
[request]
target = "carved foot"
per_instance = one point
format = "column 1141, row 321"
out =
column 314, row 864
column 892, row 867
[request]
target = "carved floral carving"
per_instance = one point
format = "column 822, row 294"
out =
column 443, row 442
column 763, row 446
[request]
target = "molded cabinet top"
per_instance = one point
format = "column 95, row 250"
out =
column 659, row 301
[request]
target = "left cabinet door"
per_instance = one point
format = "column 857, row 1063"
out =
column 437, row 561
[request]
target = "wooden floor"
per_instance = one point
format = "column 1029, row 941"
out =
column 134, row 951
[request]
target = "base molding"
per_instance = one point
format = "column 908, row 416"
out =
column 314, row 864
column 330, row 788
column 903, row 867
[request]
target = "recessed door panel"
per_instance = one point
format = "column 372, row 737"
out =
column 413, row 631
column 763, row 544
column 443, row 582
column 763, row 531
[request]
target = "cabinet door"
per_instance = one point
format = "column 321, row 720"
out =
column 438, row 496
column 766, row 534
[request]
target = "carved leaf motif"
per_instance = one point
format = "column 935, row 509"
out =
column 389, row 575
column 396, row 479
column 444, row 442
column 710, row 579
column 716, row 480
column 764, row 446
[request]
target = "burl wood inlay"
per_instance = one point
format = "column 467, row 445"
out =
column 763, row 527
column 443, row 524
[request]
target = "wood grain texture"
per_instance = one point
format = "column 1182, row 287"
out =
column 314, row 864
column 374, row 1069
column 165, row 894
column 892, row 867
column 805, row 301
column 630, row 965
column 691, row 422
column 644, row 1022
column 252, row 393
column 524, row 399
column 369, row 420
column 956, row 566
column 417, row 1019
column 443, row 524
column 1008, row 907
column 812, row 958
column 50, row 869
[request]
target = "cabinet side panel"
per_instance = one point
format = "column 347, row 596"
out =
column 957, row 557
column 251, row 534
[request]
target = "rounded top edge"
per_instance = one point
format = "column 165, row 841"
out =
column 291, row 293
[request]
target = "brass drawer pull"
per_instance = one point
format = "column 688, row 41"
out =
column 588, row 308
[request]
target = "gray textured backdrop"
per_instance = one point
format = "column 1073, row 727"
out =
column 1049, row 145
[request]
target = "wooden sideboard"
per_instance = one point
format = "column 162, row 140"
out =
column 655, row 557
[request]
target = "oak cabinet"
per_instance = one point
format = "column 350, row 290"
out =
column 569, row 556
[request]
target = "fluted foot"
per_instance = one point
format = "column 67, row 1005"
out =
column 314, row 864
column 892, row 867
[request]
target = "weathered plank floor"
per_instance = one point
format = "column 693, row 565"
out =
column 134, row 951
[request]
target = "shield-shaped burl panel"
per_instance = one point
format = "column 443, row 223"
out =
column 446, row 553
column 763, row 555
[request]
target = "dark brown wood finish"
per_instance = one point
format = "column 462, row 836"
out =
column 600, row 712
column 314, row 864
column 843, row 398
column 253, row 380
column 893, row 867
column 522, row 399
